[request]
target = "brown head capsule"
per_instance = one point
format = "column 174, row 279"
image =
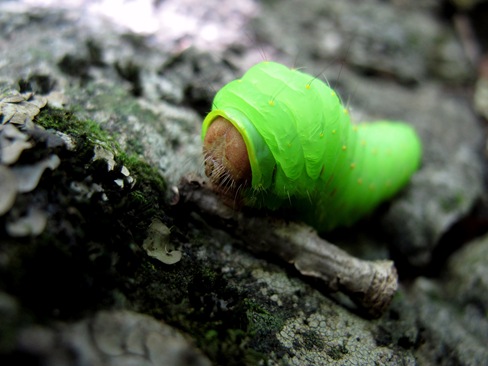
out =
column 226, row 158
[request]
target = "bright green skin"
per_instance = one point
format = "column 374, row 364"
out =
column 304, row 151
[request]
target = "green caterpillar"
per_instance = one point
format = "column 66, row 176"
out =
column 280, row 138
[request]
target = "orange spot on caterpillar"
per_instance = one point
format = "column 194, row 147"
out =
column 333, row 93
column 353, row 165
column 372, row 187
column 360, row 181
column 321, row 135
column 344, row 147
column 307, row 86
column 271, row 102
column 334, row 132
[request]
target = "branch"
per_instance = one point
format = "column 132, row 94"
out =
column 370, row 284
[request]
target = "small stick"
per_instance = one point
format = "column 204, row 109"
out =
column 370, row 284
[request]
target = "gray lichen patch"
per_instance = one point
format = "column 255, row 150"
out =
column 321, row 338
column 281, row 285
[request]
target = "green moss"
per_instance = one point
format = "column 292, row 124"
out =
column 143, row 171
column 260, row 320
column 450, row 204
column 311, row 341
column 135, row 145
column 231, row 327
column 86, row 131
column 193, row 297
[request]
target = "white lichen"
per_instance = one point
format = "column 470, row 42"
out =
column 8, row 189
column 18, row 108
column 157, row 243
column 28, row 176
column 12, row 143
column 32, row 224
column 101, row 153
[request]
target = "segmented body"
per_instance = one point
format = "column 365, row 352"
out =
column 304, row 152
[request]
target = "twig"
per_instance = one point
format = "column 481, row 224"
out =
column 370, row 284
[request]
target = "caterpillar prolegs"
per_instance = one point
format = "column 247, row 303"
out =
column 278, row 137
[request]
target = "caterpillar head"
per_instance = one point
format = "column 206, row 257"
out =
column 226, row 157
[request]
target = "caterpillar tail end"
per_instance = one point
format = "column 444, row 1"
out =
column 226, row 157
